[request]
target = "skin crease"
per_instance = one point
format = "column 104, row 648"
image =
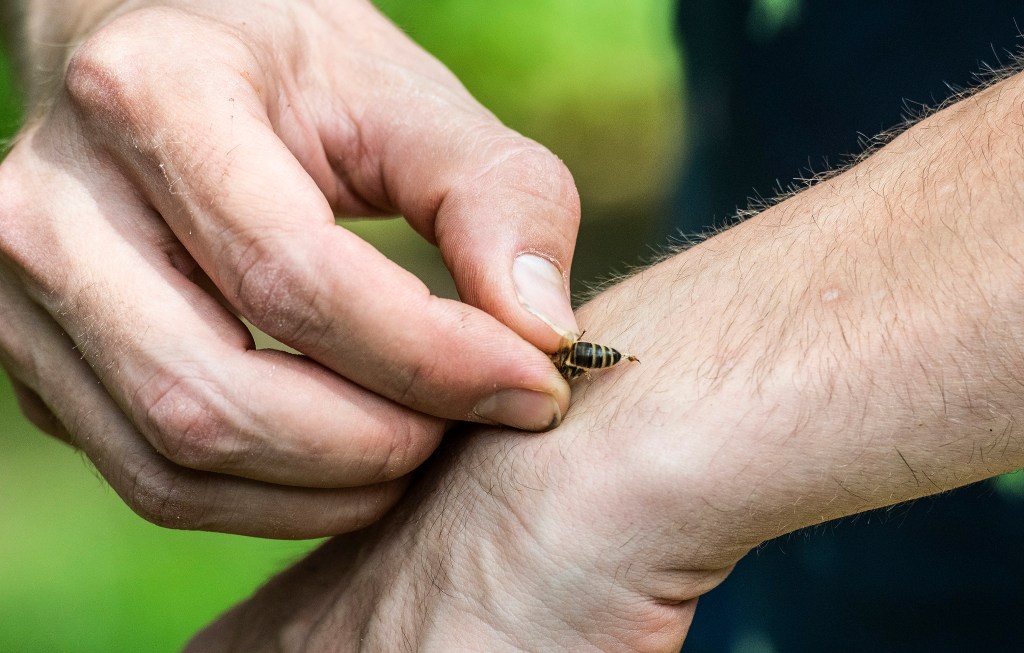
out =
column 182, row 165
column 856, row 345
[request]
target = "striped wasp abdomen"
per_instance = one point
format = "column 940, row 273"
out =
column 577, row 357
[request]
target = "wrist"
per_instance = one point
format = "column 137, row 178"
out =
column 469, row 562
column 474, row 564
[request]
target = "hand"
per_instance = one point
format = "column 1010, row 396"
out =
column 583, row 538
column 186, row 173
column 852, row 347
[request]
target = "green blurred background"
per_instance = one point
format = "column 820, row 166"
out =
column 598, row 81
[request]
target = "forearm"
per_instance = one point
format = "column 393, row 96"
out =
column 852, row 347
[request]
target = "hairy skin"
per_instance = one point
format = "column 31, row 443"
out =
column 856, row 345
column 180, row 169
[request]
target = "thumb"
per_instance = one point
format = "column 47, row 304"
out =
column 503, row 210
column 505, row 216
column 507, row 235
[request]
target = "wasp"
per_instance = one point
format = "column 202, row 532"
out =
column 576, row 357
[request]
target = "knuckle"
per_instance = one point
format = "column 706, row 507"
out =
column 268, row 289
column 398, row 449
column 101, row 78
column 409, row 381
column 262, row 284
column 375, row 508
column 372, row 504
column 187, row 420
column 166, row 497
column 392, row 457
column 524, row 172
column 536, row 170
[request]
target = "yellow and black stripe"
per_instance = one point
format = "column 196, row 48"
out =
column 576, row 357
column 589, row 355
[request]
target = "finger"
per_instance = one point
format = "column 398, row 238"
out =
column 255, row 221
column 156, row 488
column 177, row 497
column 182, row 367
column 16, row 355
column 36, row 411
column 504, row 212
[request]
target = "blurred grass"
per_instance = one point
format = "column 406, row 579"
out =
column 596, row 81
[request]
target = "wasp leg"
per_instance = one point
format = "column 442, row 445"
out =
column 570, row 372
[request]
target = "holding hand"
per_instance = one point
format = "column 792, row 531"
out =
column 185, row 173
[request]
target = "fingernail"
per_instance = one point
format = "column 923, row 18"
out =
column 541, row 291
column 522, row 409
